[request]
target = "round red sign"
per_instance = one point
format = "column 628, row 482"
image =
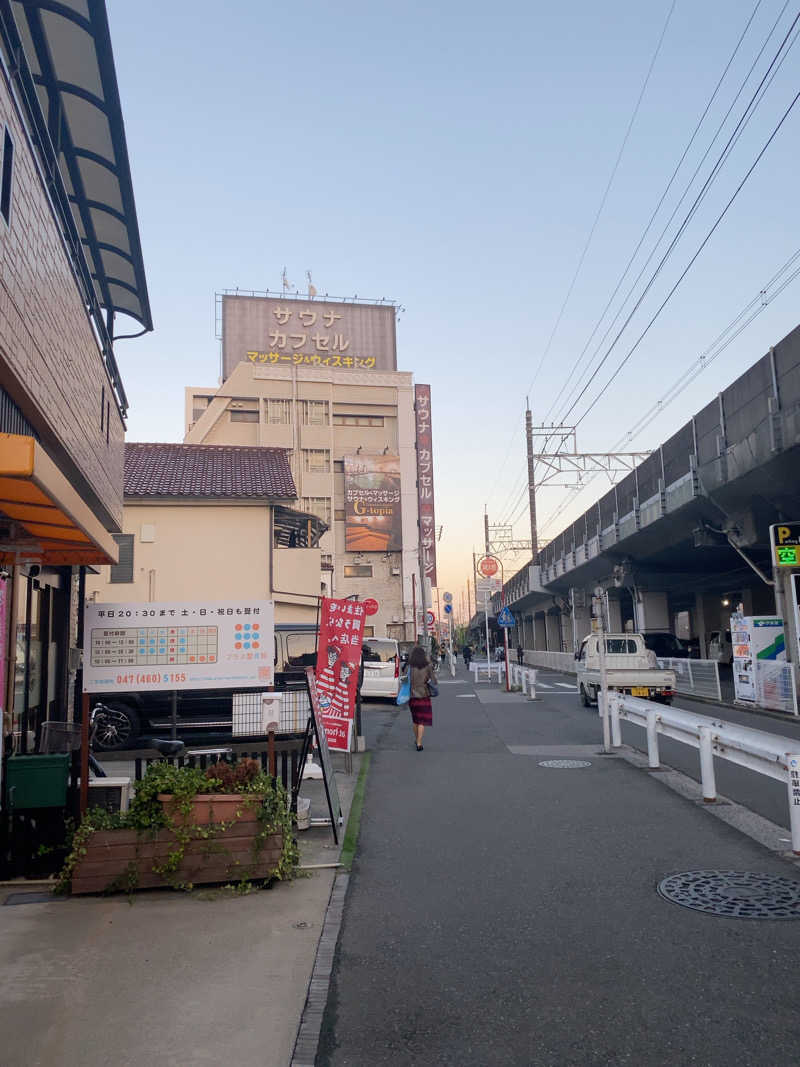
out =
column 371, row 606
column 488, row 566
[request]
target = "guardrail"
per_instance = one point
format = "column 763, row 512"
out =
column 770, row 754
column 555, row 661
column 694, row 677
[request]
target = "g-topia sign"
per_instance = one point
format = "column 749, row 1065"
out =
column 785, row 543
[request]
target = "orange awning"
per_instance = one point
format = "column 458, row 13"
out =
column 60, row 527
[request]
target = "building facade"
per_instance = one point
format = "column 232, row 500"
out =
column 213, row 522
column 70, row 264
column 349, row 429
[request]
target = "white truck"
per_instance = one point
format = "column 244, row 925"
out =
column 630, row 668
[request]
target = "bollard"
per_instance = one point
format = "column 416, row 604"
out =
column 532, row 685
column 474, row 668
column 793, row 767
column 707, row 766
column 616, row 733
column 652, row 740
column 602, row 711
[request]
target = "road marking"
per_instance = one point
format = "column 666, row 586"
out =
column 543, row 685
column 566, row 685
column 467, row 696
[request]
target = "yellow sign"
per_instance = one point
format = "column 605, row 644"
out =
column 785, row 540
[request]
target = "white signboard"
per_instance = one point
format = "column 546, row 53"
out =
column 215, row 644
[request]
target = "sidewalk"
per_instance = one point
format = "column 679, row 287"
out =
column 505, row 913
column 171, row 978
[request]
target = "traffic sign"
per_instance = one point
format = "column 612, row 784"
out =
column 785, row 541
column 448, row 609
column 488, row 566
column 505, row 618
column 371, row 606
column 447, row 598
column 430, row 619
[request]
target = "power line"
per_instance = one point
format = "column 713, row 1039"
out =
column 664, row 195
column 683, row 274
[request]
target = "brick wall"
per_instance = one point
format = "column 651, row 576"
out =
column 50, row 362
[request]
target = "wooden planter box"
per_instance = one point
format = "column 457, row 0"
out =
column 224, row 858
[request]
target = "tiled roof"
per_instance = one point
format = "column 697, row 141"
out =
column 212, row 471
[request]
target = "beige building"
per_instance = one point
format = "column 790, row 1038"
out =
column 213, row 522
column 322, row 415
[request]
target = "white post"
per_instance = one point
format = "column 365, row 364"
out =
column 532, row 685
column 602, row 707
column 652, row 739
column 523, row 680
column 486, row 620
column 474, row 668
column 616, row 734
column 793, row 766
column 707, row 766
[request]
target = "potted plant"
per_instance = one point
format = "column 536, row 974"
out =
column 185, row 827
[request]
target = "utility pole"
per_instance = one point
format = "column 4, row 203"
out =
column 486, row 532
column 531, row 481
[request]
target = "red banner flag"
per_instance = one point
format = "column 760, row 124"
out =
column 341, row 632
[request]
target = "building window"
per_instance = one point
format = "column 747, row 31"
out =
column 314, row 412
column 369, row 631
column 244, row 416
column 326, row 562
column 338, row 466
column 316, row 460
column 6, row 177
column 358, row 570
column 358, row 420
column 338, row 515
column 123, row 571
column 317, row 505
column 278, row 411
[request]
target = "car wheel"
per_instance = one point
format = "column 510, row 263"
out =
column 117, row 726
column 585, row 697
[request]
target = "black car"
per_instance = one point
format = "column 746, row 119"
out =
column 131, row 716
column 666, row 645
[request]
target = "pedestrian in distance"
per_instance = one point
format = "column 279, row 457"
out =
column 466, row 651
column 421, row 678
column 520, row 655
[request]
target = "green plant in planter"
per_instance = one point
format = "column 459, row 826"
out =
column 147, row 815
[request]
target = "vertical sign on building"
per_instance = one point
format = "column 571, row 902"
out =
column 427, row 517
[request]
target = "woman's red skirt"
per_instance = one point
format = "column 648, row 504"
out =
column 421, row 711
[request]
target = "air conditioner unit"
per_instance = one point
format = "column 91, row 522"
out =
column 396, row 572
column 396, row 618
column 111, row 794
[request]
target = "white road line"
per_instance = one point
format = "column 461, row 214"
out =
column 543, row 685
column 467, row 696
column 566, row 685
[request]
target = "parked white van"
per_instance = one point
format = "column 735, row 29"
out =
column 381, row 667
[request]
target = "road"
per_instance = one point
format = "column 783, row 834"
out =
column 500, row 912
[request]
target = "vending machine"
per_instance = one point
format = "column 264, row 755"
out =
column 754, row 637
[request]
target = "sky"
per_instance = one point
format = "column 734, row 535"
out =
column 491, row 169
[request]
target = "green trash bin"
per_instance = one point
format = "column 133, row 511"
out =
column 37, row 781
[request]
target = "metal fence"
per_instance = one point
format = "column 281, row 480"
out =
column 251, row 715
column 768, row 754
column 695, row 677
column 555, row 661
column 775, row 685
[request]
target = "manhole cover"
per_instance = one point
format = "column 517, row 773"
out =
column 738, row 894
column 565, row 764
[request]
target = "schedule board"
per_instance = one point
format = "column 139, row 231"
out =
column 169, row 645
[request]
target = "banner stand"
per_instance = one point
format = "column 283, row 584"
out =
column 328, row 775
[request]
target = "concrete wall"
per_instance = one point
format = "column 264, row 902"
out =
column 49, row 359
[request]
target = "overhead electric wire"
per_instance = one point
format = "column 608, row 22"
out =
column 683, row 274
column 749, row 313
column 600, row 208
column 667, row 188
column 747, row 115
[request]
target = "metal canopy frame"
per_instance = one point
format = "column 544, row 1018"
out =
column 63, row 66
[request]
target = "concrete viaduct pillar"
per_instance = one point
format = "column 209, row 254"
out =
column 651, row 612
column 553, row 632
column 539, row 634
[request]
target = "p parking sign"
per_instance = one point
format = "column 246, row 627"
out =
column 785, row 544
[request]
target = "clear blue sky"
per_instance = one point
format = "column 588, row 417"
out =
column 453, row 156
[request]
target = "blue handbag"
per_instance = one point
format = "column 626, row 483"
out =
column 404, row 695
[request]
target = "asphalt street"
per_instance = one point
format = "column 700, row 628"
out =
column 501, row 912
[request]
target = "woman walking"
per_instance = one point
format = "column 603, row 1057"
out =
column 420, row 673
